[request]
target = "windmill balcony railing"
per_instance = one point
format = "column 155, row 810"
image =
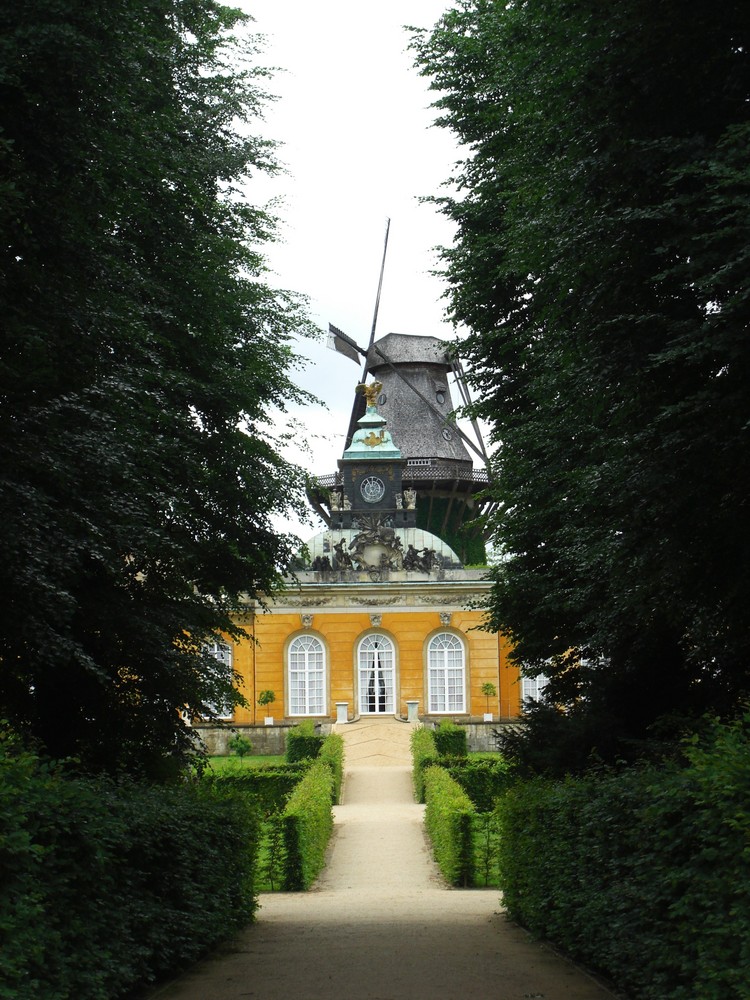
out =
column 424, row 473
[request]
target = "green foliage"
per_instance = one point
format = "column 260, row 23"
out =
column 655, row 858
column 424, row 754
column 600, row 266
column 270, row 786
column 484, row 778
column 108, row 885
column 450, row 739
column 303, row 742
column 489, row 691
column 449, row 817
column 486, row 848
column 272, row 854
column 143, row 359
column 266, row 698
column 307, row 824
column 456, row 524
column 332, row 754
column 240, row 745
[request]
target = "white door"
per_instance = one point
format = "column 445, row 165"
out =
column 376, row 675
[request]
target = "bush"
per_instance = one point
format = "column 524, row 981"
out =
column 423, row 754
column 303, row 742
column 485, row 829
column 448, row 819
column 270, row 787
column 332, row 754
column 109, row 885
column 641, row 874
column 484, row 778
column 240, row 745
column 307, row 824
column 450, row 739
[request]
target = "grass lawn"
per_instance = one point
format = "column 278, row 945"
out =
column 233, row 763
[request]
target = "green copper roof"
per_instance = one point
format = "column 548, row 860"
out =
column 371, row 440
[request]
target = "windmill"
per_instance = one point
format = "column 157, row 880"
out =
column 416, row 373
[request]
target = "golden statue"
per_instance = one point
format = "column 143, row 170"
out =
column 370, row 392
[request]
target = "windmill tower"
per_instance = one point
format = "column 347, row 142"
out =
column 415, row 399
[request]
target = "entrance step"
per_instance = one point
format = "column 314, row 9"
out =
column 373, row 742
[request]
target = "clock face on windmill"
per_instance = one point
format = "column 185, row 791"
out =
column 372, row 489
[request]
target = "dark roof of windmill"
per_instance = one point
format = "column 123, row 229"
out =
column 416, row 398
column 405, row 348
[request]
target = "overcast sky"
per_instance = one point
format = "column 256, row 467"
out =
column 354, row 120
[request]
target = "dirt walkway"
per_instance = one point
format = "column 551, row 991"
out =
column 380, row 924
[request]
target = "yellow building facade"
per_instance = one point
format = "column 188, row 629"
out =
column 383, row 615
column 352, row 649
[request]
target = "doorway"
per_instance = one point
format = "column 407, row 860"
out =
column 376, row 675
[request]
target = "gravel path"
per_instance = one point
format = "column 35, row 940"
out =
column 380, row 924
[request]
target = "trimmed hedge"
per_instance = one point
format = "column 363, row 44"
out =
column 269, row 786
column 303, row 742
column 450, row 739
column 644, row 874
column 332, row 754
column 484, row 778
column 423, row 754
column 448, row 818
column 107, row 886
column 307, row 824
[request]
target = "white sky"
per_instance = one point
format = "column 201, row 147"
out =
column 354, row 119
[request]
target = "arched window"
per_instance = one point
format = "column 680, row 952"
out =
column 446, row 673
column 222, row 652
column 376, row 675
column 307, row 676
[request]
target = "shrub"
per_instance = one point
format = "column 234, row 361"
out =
column 424, row 754
column 486, row 848
column 240, row 745
column 332, row 754
column 484, row 779
column 108, row 885
column 448, row 819
column 641, row 874
column 303, row 742
column 270, row 787
column 450, row 739
column 307, row 824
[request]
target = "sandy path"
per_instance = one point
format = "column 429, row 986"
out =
column 381, row 925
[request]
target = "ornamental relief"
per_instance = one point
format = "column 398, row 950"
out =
column 313, row 602
column 460, row 599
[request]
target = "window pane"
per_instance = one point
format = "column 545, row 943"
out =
column 306, row 676
column 446, row 675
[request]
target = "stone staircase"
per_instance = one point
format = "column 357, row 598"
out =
column 374, row 741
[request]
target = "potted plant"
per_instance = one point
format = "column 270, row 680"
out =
column 267, row 698
column 489, row 691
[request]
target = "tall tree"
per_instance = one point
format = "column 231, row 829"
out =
column 600, row 266
column 143, row 350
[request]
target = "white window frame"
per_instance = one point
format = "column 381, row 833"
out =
column 377, row 651
column 306, row 675
column 446, row 674
column 222, row 651
column 532, row 689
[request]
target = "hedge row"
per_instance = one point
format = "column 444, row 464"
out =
column 306, row 825
column 303, row 742
column 450, row 739
column 108, row 885
column 484, row 778
column 332, row 754
column 644, row 874
column 423, row 754
column 448, row 818
column 270, row 786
